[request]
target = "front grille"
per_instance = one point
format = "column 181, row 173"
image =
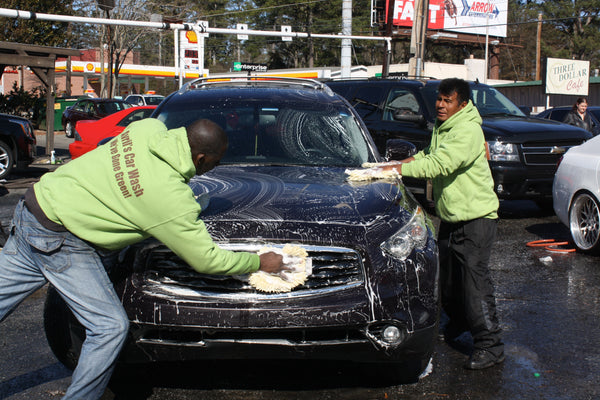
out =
column 546, row 153
column 333, row 267
column 257, row 336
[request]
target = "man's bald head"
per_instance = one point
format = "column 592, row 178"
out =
column 208, row 143
column 206, row 137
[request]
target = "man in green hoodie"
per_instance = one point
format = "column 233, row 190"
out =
column 463, row 190
column 132, row 188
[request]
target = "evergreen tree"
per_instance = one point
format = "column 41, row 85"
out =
column 37, row 32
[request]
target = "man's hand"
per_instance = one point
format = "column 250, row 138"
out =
column 398, row 165
column 272, row 263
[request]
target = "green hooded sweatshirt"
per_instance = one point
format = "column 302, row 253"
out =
column 134, row 187
column 456, row 162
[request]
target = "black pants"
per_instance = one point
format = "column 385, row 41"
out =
column 467, row 289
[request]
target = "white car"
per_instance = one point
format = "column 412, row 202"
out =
column 576, row 194
column 144, row 99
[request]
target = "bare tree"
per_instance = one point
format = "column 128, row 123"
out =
column 118, row 41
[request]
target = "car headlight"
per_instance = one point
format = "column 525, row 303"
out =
column 411, row 236
column 500, row 151
column 25, row 127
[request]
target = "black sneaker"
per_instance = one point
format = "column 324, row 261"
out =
column 481, row 359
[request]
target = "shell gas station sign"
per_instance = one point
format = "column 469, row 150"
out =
column 188, row 44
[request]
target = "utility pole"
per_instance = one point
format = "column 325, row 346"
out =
column 417, row 38
column 346, row 57
column 538, row 50
column 106, row 6
column 389, row 23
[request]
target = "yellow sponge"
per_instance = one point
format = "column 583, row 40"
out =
column 298, row 262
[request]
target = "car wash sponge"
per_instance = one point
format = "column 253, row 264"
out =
column 299, row 267
column 371, row 171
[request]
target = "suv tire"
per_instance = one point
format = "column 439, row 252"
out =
column 6, row 159
column 58, row 320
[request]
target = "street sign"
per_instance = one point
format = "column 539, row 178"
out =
column 242, row 27
column 286, row 29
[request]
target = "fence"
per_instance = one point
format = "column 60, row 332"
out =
column 532, row 94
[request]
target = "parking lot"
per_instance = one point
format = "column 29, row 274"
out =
column 549, row 306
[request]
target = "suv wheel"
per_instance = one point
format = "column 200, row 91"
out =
column 6, row 159
column 69, row 129
column 58, row 322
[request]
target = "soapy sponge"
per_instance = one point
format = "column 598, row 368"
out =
column 298, row 262
column 372, row 171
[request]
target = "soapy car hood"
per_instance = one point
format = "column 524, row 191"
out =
column 306, row 195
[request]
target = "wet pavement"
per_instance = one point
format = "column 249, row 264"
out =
column 548, row 304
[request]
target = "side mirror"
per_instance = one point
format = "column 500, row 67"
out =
column 105, row 140
column 398, row 149
column 407, row 115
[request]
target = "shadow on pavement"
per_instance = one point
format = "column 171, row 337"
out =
column 300, row 375
column 31, row 379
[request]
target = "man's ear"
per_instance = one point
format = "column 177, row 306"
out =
column 198, row 159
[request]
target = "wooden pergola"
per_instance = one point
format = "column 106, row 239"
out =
column 41, row 60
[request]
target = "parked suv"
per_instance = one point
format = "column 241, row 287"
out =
column 17, row 143
column 372, row 294
column 523, row 151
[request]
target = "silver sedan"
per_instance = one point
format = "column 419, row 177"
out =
column 576, row 194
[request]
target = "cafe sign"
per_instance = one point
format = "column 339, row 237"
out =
column 571, row 77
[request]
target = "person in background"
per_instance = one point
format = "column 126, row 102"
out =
column 578, row 116
column 467, row 205
column 70, row 221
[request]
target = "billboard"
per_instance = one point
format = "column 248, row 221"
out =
column 476, row 17
column 564, row 76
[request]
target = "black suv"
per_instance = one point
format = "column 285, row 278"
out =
column 523, row 151
column 17, row 143
column 372, row 294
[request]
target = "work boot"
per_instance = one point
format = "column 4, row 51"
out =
column 481, row 359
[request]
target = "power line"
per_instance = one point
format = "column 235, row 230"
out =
column 265, row 8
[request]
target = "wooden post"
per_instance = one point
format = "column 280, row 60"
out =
column 50, row 111
column 538, row 50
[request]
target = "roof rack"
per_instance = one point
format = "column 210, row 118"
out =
column 405, row 76
column 204, row 82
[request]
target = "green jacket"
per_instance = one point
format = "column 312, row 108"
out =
column 456, row 162
column 134, row 187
